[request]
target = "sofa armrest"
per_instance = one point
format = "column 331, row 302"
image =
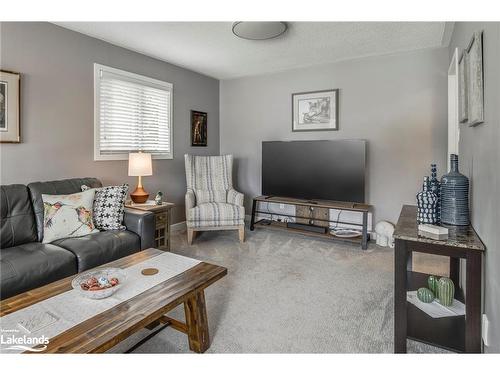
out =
column 141, row 223
column 235, row 197
column 190, row 199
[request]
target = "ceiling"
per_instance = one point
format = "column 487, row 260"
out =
column 210, row 48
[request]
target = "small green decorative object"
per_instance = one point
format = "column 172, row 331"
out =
column 432, row 282
column 425, row 295
column 446, row 291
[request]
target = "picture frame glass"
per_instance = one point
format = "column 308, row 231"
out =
column 9, row 107
column 316, row 110
column 475, row 82
column 199, row 129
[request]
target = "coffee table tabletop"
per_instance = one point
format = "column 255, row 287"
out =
column 145, row 310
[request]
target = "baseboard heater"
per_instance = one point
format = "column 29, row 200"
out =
column 307, row 227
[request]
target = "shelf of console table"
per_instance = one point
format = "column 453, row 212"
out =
column 364, row 209
column 455, row 333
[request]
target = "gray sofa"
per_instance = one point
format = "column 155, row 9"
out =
column 27, row 263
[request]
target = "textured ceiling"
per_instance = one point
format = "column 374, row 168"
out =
column 211, row 48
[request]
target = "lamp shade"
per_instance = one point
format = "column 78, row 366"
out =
column 139, row 164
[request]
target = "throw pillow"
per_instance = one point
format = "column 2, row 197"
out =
column 208, row 196
column 109, row 206
column 67, row 215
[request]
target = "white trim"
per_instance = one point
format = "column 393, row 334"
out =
column 153, row 82
column 453, row 92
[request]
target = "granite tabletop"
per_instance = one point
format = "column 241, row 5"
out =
column 458, row 236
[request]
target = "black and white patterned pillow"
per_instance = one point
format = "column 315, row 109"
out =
column 109, row 206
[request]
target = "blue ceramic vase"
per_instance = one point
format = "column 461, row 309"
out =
column 435, row 187
column 454, row 196
column 426, row 205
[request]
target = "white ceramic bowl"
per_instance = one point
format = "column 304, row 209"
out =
column 103, row 272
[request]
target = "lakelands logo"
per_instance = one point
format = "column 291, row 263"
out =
column 12, row 340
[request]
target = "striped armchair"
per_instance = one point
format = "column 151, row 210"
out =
column 211, row 201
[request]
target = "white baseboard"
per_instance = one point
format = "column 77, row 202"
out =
column 178, row 226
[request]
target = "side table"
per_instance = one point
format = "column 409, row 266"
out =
column 456, row 333
column 162, row 221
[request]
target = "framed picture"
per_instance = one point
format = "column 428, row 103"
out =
column 10, row 83
column 198, row 129
column 462, row 88
column 475, row 83
column 315, row 110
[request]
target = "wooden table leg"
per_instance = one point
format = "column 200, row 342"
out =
column 252, row 220
column 400, row 317
column 473, row 303
column 196, row 322
column 455, row 271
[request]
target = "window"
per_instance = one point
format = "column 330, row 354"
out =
column 131, row 113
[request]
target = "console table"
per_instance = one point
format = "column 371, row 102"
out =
column 312, row 212
column 456, row 333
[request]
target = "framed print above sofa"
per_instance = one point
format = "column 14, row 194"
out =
column 10, row 83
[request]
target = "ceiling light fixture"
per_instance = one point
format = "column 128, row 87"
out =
column 259, row 30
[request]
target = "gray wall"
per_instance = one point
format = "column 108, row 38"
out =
column 57, row 109
column 479, row 159
column 397, row 103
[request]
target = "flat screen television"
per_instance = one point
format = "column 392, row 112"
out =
column 328, row 170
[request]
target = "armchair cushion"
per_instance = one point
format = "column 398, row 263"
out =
column 208, row 196
column 215, row 215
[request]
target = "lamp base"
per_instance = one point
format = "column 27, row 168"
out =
column 139, row 195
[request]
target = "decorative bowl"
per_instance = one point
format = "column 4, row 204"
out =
column 107, row 289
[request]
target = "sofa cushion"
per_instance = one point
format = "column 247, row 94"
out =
column 109, row 206
column 98, row 248
column 17, row 220
column 69, row 186
column 215, row 215
column 68, row 215
column 31, row 265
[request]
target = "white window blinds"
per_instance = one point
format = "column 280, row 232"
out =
column 132, row 113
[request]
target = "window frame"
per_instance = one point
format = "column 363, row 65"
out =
column 97, row 130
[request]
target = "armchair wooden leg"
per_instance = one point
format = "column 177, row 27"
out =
column 190, row 236
column 241, row 232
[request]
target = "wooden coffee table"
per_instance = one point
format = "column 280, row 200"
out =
column 146, row 310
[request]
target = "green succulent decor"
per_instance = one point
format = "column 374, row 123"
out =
column 425, row 295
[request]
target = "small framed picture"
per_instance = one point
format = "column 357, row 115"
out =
column 198, row 129
column 475, row 83
column 462, row 88
column 315, row 110
column 10, row 85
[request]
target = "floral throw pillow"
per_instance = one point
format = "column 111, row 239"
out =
column 109, row 206
column 67, row 216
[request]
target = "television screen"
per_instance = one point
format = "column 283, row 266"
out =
column 329, row 170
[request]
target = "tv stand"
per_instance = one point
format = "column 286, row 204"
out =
column 308, row 212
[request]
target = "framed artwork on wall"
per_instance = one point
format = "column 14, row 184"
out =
column 315, row 110
column 462, row 88
column 10, row 85
column 475, row 82
column 199, row 129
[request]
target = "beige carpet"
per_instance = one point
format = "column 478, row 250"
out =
column 289, row 293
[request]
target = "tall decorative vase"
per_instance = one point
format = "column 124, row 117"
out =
column 426, row 205
column 435, row 187
column 454, row 196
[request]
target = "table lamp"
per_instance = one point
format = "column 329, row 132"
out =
column 139, row 164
